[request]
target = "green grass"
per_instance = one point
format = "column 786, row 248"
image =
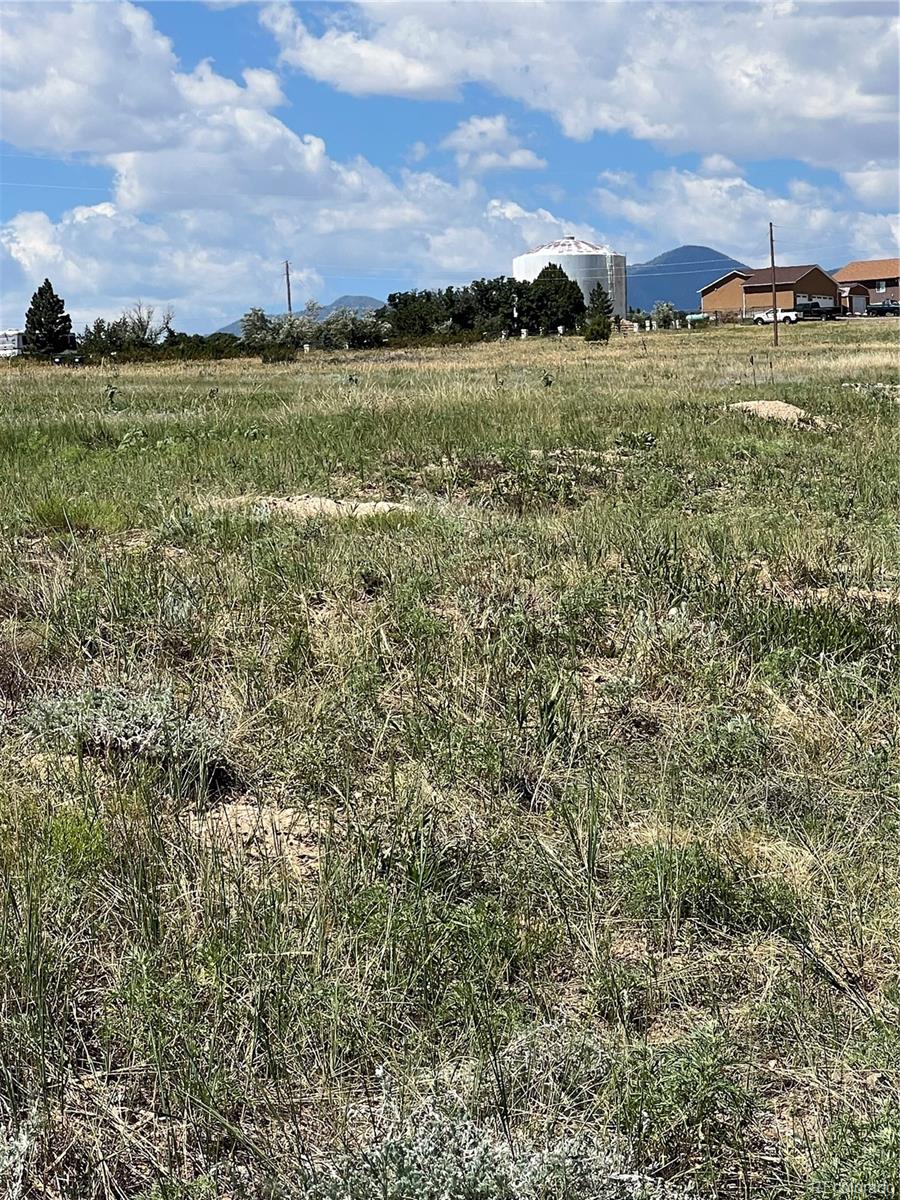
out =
column 547, row 824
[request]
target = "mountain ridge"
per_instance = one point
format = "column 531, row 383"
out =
column 677, row 275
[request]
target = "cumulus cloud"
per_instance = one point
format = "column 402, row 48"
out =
column 815, row 81
column 210, row 189
column 355, row 63
column 488, row 144
column 874, row 184
column 731, row 214
column 718, row 164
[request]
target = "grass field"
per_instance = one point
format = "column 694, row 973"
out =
column 535, row 837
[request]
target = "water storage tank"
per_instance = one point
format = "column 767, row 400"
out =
column 582, row 261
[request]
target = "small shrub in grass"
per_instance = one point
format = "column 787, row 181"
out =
column 127, row 727
column 682, row 1105
column 15, row 1147
column 442, row 1156
column 672, row 883
column 598, row 329
column 861, row 1157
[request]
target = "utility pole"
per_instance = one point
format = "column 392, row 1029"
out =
column 774, row 290
column 287, row 281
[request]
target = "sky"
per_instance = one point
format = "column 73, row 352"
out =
column 177, row 153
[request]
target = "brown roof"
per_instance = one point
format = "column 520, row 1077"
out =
column 728, row 275
column 788, row 275
column 873, row 268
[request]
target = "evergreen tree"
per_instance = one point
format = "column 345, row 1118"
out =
column 600, row 303
column 598, row 329
column 48, row 326
column 553, row 299
column 599, row 323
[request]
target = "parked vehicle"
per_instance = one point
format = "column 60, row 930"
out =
column 814, row 311
column 787, row 316
column 884, row 308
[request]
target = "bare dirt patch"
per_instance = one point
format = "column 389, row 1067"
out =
column 778, row 410
column 834, row 593
column 305, row 507
column 263, row 834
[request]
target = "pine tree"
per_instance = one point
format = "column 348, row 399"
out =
column 48, row 326
column 600, row 303
column 598, row 327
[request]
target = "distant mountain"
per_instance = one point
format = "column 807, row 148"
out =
column 359, row 304
column 678, row 276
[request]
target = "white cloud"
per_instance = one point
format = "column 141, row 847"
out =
column 488, row 144
column 732, row 215
column 352, row 62
column 875, row 185
column 718, row 164
column 815, row 81
column 210, row 190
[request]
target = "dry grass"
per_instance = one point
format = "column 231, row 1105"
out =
column 551, row 806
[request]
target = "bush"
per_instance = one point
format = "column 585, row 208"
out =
column 598, row 329
column 126, row 727
column 443, row 1156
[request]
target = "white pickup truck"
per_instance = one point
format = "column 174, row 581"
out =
column 787, row 316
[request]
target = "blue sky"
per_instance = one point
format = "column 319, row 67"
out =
column 178, row 152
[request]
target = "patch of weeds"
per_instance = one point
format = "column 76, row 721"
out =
column 728, row 743
column 522, row 482
column 196, row 1189
column 629, row 440
column 670, row 884
column 78, row 842
column 813, row 632
column 67, row 514
column 861, row 1155
column 435, row 1155
column 126, row 727
column 15, row 1150
column 683, row 1105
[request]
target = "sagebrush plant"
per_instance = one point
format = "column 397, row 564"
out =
column 128, row 726
column 438, row 1153
column 568, row 789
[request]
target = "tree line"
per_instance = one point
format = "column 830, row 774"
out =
column 483, row 309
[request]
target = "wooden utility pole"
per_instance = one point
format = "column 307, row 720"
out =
column 774, row 290
column 287, row 281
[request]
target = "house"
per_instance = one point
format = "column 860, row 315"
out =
column 12, row 343
column 854, row 298
column 880, row 277
column 741, row 293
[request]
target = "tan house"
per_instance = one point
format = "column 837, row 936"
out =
column 879, row 276
column 741, row 293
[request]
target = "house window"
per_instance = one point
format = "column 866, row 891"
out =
column 881, row 286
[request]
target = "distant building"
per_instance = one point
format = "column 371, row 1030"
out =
column 879, row 276
column 585, row 262
column 12, row 343
column 741, row 293
column 854, row 298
